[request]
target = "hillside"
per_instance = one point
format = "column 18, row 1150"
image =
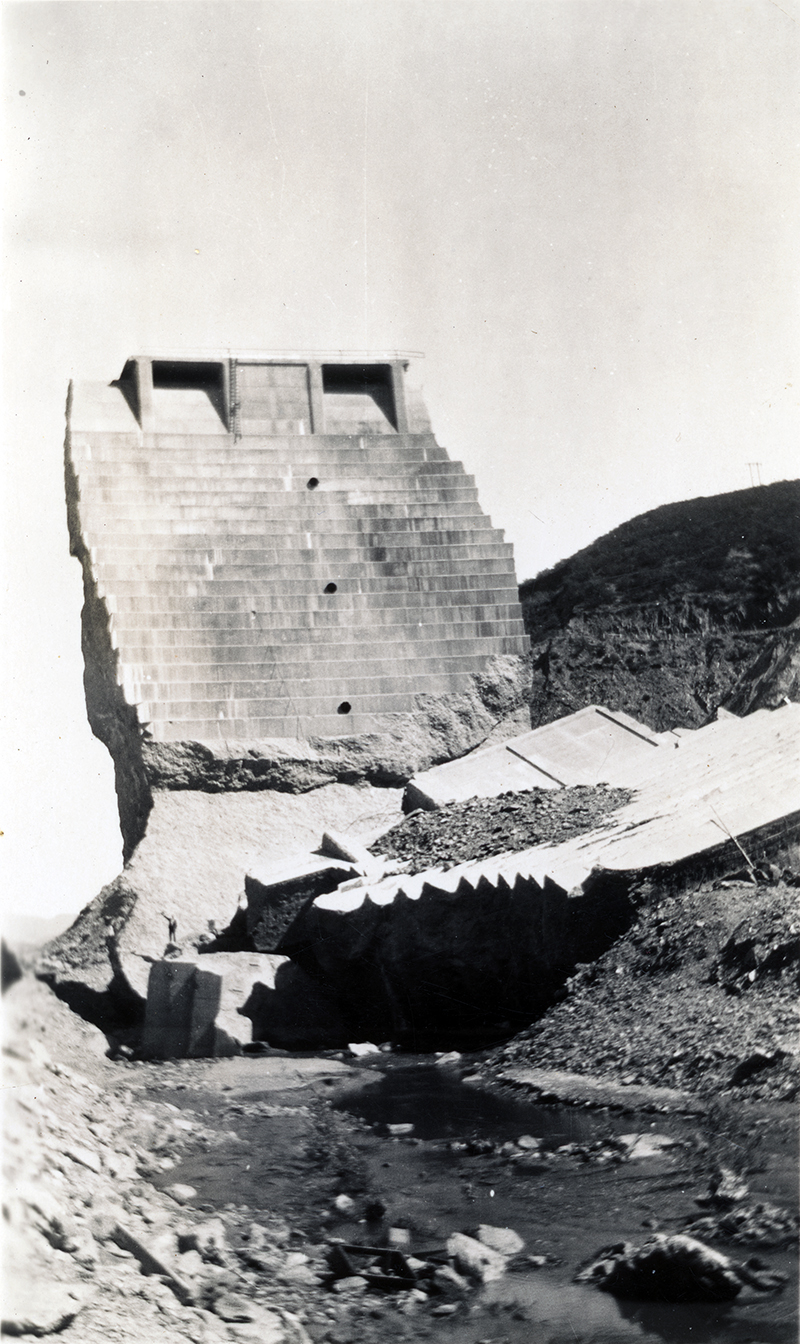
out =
column 664, row 616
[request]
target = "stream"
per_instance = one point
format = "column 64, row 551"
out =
column 564, row 1208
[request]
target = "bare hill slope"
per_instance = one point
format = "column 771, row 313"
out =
column 665, row 616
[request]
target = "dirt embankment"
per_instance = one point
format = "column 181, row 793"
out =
column 700, row 994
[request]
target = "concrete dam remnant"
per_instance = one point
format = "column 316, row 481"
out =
column 276, row 548
column 293, row 602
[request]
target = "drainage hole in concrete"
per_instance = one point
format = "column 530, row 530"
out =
column 344, row 707
column 330, row 588
column 312, row 483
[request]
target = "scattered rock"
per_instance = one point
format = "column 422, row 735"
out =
column 501, row 1239
column 646, row 1145
column 152, row 1262
column 474, row 1259
column 85, row 1157
column 208, row 1239
column 755, row 1063
column 450, row 1282
column 182, row 1194
column 749, row 1225
column 236, row 1307
column 483, row 827
column 724, row 1189
column 355, row 1283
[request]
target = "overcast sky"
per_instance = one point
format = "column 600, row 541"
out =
column 584, row 212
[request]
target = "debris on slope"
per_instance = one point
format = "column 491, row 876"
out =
column 699, row 994
column 483, row 827
column 92, row 1250
column 662, row 677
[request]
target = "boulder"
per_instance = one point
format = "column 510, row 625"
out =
column 501, row 1239
column 37, row 1307
column 672, row 1269
column 474, row 1259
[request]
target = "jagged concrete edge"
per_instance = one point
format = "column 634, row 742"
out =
column 443, row 728
column 111, row 718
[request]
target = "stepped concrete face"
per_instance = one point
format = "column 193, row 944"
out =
column 273, row 549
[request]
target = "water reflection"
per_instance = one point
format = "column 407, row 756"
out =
column 439, row 1106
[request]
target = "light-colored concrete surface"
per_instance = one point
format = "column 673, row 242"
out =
column 735, row 778
column 253, row 486
column 592, row 746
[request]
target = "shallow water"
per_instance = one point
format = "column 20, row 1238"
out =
column 566, row 1210
column 441, row 1106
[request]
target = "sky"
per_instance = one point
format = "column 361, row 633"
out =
column 584, row 212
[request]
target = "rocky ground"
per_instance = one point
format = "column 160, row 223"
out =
column 107, row 1237
column 481, row 827
column 94, row 1251
column 700, row 994
column 105, row 1242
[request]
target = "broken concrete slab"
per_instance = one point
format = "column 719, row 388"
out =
column 349, row 850
column 218, row 1003
column 180, row 1014
column 191, row 866
column 591, row 746
column 435, row 952
column 295, row 1012
column 240, row 973
column 490, row 940
column 275, row 893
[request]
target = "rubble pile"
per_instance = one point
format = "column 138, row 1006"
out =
column 732, row 1218
column 483, row 827
column 674, row 1004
